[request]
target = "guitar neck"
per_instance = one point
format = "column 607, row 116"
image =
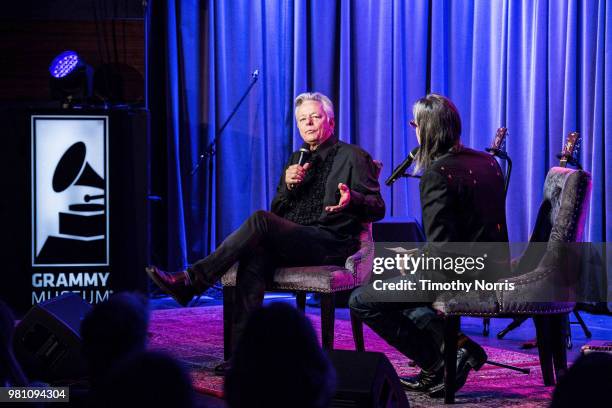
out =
column 572, row 144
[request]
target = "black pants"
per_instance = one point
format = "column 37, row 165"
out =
column 263, row 242
column 412, row 328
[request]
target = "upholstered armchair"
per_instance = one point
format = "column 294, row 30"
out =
column 327, row 280
column 560, row 221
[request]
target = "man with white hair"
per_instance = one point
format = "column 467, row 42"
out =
column 316, row 217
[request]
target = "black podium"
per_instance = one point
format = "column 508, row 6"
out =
column 74, row 203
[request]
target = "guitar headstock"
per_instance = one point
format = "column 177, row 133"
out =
column 498, row 147
column 571, row 150
column 499, row 143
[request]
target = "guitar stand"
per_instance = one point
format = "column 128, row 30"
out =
column 486, row 321
column 516, row 322
column 582, row 324
column 509, row 367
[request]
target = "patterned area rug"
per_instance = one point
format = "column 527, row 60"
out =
column 195, row 336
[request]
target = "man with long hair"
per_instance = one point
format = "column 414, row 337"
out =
column 462, row 201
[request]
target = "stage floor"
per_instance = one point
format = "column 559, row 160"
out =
column 195, row 334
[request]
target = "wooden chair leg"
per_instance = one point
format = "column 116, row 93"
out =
column 542, row 324
column 558, row 332
column 328, row 317
column 451, row 334
column 357, row 326
column 300, row 300
column 228, row 318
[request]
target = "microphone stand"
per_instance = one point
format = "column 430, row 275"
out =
column 210, row 151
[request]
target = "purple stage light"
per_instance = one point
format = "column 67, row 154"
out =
column 64, row 64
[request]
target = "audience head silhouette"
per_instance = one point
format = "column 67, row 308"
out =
column 146, row 379
column 112, row 330
column 278, row 363
column 586, row 384
column 10, row 370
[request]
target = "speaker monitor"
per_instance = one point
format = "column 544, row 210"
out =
column 398, row 229
column 366, row 380
column 47, row 340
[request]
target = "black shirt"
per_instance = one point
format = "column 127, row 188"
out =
column 352, row 166
column 306, row 206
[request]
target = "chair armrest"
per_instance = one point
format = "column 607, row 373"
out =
column 361, row 262
column 471, row 303
column 538, row 291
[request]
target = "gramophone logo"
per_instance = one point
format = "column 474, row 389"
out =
column 70, row 191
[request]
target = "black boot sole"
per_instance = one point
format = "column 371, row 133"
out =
column 437, row 391
column 477, row 361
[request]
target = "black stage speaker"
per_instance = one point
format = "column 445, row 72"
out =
column 47, row 341
column 366, row 379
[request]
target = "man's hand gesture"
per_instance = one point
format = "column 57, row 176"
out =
column 345, row 199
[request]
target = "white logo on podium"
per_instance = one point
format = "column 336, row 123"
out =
column 70, row 218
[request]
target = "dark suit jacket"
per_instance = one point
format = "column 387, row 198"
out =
column 352, row 166
column 462, row 198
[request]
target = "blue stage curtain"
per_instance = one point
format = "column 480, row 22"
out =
column 537, row 67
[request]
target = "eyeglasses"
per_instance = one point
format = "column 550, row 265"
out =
column 413, row 124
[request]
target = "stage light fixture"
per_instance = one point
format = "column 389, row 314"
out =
column 64, row 64
column 71, row 79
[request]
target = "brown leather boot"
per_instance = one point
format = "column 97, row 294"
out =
column 176, row 285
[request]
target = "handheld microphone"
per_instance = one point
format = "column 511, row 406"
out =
column 401, row 169
column 304, row 155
